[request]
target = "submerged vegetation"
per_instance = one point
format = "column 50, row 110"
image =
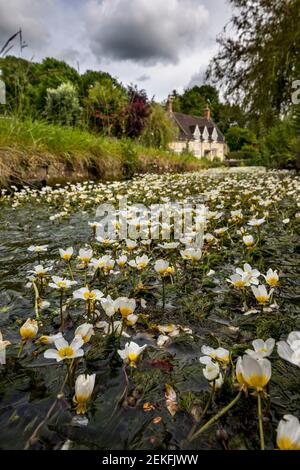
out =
column 145, row 343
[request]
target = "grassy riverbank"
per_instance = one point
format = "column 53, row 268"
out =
column 35, row 151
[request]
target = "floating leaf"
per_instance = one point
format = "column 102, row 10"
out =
column 171, row 399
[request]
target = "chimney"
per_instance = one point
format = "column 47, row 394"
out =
column 170, row 104
column 207, row 113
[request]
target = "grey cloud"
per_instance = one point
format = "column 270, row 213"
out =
column 143, row 78
column 197, row 78
column 143, row 31
column 28, row 15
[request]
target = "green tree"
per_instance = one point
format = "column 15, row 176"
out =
column 258, row 58
column 238, row 137
column 160, row 130
column 194, row 100
column 105, row 106
column 62, row 104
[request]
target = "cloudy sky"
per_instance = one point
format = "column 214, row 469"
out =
column 159, row 44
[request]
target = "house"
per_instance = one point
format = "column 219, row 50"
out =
column 199, row 135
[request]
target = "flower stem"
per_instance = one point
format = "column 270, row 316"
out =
column 216, row 417
column 163, row 292
column 61, row 310
column 208, row 403
column 36, row 300
column 260, row 422
column 70, row 270
column 21, row 348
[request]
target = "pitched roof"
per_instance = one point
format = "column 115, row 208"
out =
column 187, row 125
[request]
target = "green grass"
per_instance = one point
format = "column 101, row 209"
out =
column 33, row 150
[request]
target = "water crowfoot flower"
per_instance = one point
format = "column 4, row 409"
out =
column 261, row 294
column 64, row 350
column 290, row 350
column 131, row 353
column 252, row 273
column 261, row 348
column 272, row 278
column 90, row 297
column 288, row 433
column 84, row 387
column 86, row 331
column 28, row 331
column 163, row 268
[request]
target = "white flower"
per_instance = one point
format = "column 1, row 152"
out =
column 29, row 329
column 49, row 339
column 169, row 246
column 67, row 254
column 85, row 255
column 84, row 387
column 131, row 353
column 272, row 278
column 38, row 248
column 60, row 283
column 288, row 433
column 163, row 268
column 109, row 306
column 290, row 350
column 86, row 331
column 40, row 271
column 131, row 244
column 239, row 281
column 131, row 319
column 285, row 221
column 248, row 240
column 191, row 254
column 219, row 354
column 106, row 263
column 261, row 294
column 140, row 262
column 88, row 295
column 211, row 371
column 125, row 305
column 261, row 348
column 253, row 373
column 256, row 222
column 121, row 261
column 253, row 273
column 218, row 382
column 64, row 350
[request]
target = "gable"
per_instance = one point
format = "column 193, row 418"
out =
column 188, row 124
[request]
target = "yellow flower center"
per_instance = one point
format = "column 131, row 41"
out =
column 262, row 299
column 61, row 284
column 66, row 256
column 66, row 352
column 132, row 359
column 125, row 311
column 272, row 281
column 89, row 295
column 239, row 284
column 257, row 381
column 285, row 443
